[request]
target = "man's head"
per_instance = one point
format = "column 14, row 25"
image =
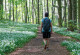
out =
column 46, row 14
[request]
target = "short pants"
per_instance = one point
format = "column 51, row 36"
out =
column 46, row 34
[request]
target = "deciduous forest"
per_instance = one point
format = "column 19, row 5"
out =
column 20, row 22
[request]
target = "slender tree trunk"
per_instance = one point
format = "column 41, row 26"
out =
column 38, row 12
column 60, row 13
column 29, row 12
column 52, row 9
column 26, row 12
column 79, row 14
column 47, row 6
column 65, row 19
column 32, row 12
column 1, row 9
column 16, row 12
column 43, row 8
column 5, row 10
column 13, row 10
column 10, row 11
column 21, row 12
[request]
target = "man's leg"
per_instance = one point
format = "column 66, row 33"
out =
column 44, row 40
column 45, row 43
column 47, row 40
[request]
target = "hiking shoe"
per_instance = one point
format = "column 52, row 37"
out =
column 45, row 47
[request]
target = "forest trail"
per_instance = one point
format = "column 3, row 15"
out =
column 35, row 46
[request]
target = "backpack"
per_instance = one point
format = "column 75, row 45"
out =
column 46, row 25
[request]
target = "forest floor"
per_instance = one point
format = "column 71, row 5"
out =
column 35, row 46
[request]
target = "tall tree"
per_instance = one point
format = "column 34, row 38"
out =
column 26, row 11
column 16, row 12
column 5, row 10
column 10, row 10
column 1, row 9
column 70, row 16
column 74, row 13
column 59, row 13
column 38, row 13
column 43, row 8
column 52, row 9
column 32, row 11
column 79, row 13
column 65, row 19
column 47, row 6
column 13, row 9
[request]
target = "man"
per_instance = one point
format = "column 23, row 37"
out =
column 46, row 29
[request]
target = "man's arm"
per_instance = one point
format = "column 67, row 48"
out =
column 41, row 26
column 51, row 28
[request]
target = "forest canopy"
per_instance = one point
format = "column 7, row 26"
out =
column 63, row 13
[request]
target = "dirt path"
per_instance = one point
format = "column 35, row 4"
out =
column 35, row 46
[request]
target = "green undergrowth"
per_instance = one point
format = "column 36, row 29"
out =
column 14, row 35
column 63, row 31
column 72, row 46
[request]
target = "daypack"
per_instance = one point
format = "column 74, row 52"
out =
column 46, row 25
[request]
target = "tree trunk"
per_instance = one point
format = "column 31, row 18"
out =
column 1, row 9
column 43, row 8
column 52, row 9
column 79, row 13
column 5, row 11
column 16, row 12
column 59, row 13
column 47, row 6
column 10, row 11
column 32, row 12
column 26, row 12
column 65, row 19
column 38, row 12
column 70, row 16
column 13, row 10
column 74, row 13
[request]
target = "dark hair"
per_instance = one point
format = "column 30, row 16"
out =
column 46, row 14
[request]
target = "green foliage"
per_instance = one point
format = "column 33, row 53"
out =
column 1, row 53
column 13, row 35
column 72, row 25
column 73, row 47
column 75, row 52
column 64, row 32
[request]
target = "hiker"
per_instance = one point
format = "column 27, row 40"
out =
column 46, row 29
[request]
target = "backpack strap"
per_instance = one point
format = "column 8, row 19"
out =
column 50, row 22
